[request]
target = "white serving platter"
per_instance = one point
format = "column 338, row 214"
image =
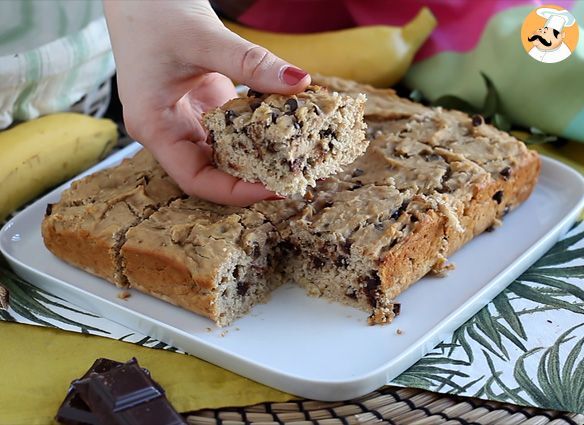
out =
column 311, row 347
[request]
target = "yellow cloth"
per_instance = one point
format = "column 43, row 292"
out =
column 37, row 365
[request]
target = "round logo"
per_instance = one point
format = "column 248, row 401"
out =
column 549, row 34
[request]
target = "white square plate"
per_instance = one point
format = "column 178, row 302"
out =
column 307, row 346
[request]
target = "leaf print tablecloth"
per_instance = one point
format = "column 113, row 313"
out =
column 525, row 347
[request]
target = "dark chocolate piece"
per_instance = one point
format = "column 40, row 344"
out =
column 290, row 106
column 358, row 172
column 49, row 210
column 73, row 410
column 498, row 196
column 477, row 120
column 396, row 308
column 506, row 173
column 127, row 395
column 229, row 116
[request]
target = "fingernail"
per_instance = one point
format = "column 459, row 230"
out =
column 292, row 75
column 276, row 198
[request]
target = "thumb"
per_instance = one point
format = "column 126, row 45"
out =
column 255, row 66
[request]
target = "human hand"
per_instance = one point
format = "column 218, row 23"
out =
column 173, row 61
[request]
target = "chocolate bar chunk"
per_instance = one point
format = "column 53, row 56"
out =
column 73, row 410
column 126, row 395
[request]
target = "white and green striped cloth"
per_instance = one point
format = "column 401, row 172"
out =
column 52, row 53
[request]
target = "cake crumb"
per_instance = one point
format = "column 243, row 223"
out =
column 209, row 330
column 237, row 329
column 124, row 295
column 398, row 331
column 225, row 332
column 4, row 298
column 442, row 267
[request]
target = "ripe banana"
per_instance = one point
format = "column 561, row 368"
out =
column 38, row 154
column 378, row 55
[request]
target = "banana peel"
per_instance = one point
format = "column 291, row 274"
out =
column 379, row 55
column 41, row 153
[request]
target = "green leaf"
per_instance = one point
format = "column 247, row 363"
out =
column 458, row 336
column 501, row 122
column 491, row 103
column 454, row 102
column 441, row 360
column 413, row 381
column 558, row 258
column 566, row 287
column 532, row 294
column 433, row 371
column 510, row 336
column 576, row 272
column 536, row 139
column 6, row 316
column 417, row 96
column 526, row 381
column 565, row 244
column 508, row 314
column 486, row 324
column 482, row 341
column 510, row 394
column 467, row 386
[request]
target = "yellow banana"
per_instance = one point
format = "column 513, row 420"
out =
column 38, row 154
column 379, row 55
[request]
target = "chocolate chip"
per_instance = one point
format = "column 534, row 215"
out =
column 290, row 106
column 256, row 251
column 296, row 165
column 371, row 288
column 414, row 218
column 399, row 211
column 357, row 185
column 396, row 308
column 210, row 137
column 48, row 210
column 253, row 93
column 255, row 105
column 331, row 145
column 288, row 247
column 352, row 295
column 431, row 157
column 325, row 133
column 498, row 196
column 328, row 204
column 347, row 246
column 317, row 110
column 342, row 261
column 274, row 117
column 477, row 120
column 506, row 172
column 229, row 116
column 357, row 172
column 490, row 229
column 379, row 226
column 242, row 288
column 318, row 262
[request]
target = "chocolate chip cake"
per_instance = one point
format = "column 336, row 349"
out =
column 430, row 180
column 287, row 142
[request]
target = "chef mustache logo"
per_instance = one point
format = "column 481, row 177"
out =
column 549, row 34
column 540, row 39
